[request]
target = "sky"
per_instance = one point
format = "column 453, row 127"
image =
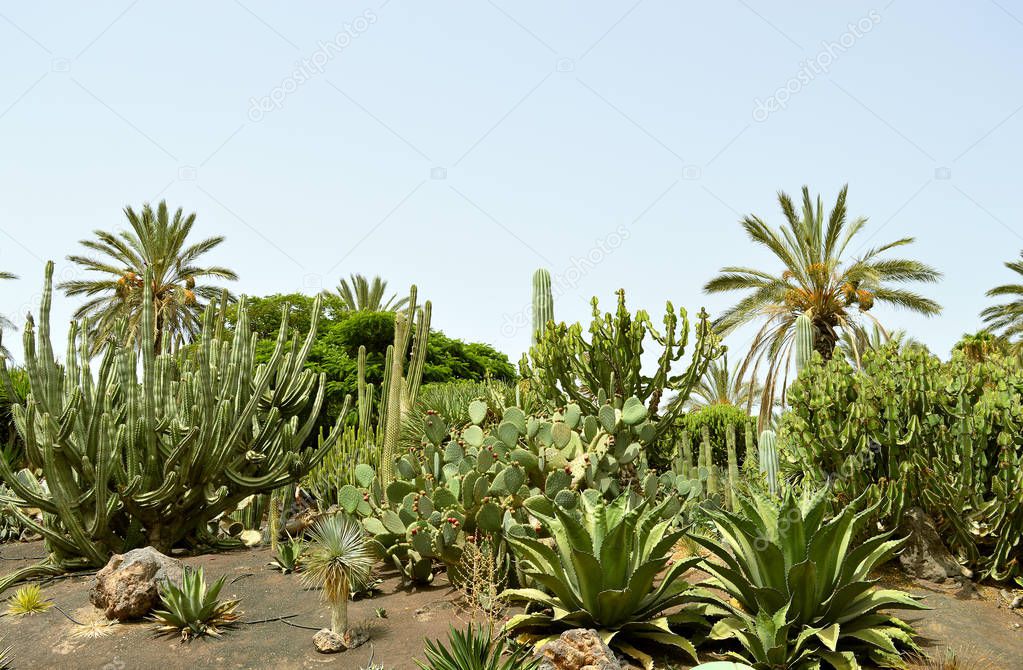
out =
column 460, row 146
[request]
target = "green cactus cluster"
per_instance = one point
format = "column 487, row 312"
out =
column 567, row 366
column 943, row 436
column 150, row 451
column 489, row 476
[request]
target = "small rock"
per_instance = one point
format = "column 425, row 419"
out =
column 578, row 649
column 128, row 587
column 925, row 555
column 251, row 538
column 329, row 642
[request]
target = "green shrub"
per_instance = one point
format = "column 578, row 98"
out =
column 717, row 418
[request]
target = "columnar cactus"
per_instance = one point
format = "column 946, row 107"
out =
column 769, row 459
column 804, row 341
column 733, row 466
column 399, row 390
column 149, row 454
column 543, row 303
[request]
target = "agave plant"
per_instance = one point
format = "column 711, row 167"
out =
column 289, row 554
column 193, row 609
column 797, row 592
column 600, row 574
column 28, row 600
column 476, row 649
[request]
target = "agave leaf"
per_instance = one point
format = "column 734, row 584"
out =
column 802, row 583
column 840, row 660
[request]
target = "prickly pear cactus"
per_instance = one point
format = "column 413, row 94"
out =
column 488, row 478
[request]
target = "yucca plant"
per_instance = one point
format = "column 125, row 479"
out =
column 289, row 554
column 600, row 574
column 192, row 609
column 5, row 655
column 476, row 649
column 338, row 561
column 797, row 593
column 28, row 600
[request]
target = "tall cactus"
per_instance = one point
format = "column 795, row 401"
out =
column 712, row 470
column 131, row 460
column 400, row 390
column 543, row 303
column 804, row 341
column 769, row 459
column 733, row 465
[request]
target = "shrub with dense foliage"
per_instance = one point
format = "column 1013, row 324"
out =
column 341, row 332
column 944, row 436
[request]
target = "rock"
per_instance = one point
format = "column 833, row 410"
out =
column 128, row 587
column 578, row 649
column 251, row 538
column 329, row 642
column 925, row 555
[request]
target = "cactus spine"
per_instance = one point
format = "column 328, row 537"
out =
column 804, row 341
column 543, row 303
column 769, row 459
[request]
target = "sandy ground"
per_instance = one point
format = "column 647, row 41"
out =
column 976, row 625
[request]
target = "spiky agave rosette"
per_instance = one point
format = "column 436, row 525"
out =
column 798, row 591
column 600, row 574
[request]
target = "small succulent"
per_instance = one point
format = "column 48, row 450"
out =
column 476, row 649
column 28, row 600
column 193, row 609
column 289, row 555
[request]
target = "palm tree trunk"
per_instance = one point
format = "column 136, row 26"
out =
column 825, row 339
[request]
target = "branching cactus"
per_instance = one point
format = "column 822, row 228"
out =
column 568, row 366
column 148, row 452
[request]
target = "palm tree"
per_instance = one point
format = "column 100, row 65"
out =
column 1007, row 317
column 359, row 295
column 816, row 281
column 157, row 244
column 338, row 561
column 5, row 323
column 720, row 386
column 856, row 342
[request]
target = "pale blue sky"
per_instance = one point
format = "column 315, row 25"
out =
column 461, row 145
